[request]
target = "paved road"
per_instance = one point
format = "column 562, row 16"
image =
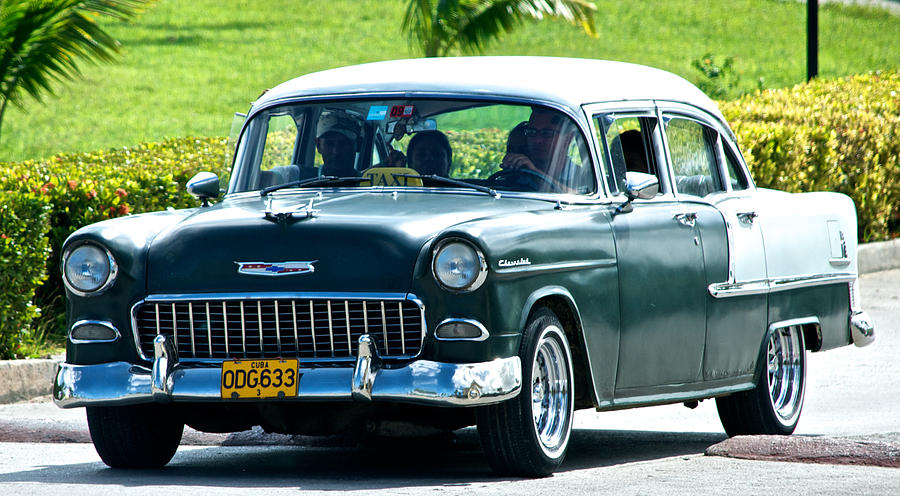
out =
column 852, row 393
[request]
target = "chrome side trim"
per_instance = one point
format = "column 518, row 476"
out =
column 774, row 285
column 862, row 329
column 102, row 323
column 556, row 267
column 422, row 381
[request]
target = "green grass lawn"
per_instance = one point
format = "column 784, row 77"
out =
column 186, row 66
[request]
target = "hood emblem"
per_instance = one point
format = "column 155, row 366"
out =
column 283, row 217
column 276, row 268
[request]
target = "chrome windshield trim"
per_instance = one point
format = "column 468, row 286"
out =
column 556, row 267
column 777, row 284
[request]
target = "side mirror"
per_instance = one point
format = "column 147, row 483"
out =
column 641, row 186
column 638, row 186
column 203, row 186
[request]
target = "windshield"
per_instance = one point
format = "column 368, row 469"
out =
column 414, row 143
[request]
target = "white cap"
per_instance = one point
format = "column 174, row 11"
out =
column 338, row 122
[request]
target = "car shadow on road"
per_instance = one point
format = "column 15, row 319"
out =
column 378, row 464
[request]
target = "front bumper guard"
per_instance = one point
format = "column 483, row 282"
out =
column 420, row 381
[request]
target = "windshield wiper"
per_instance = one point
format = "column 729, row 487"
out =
column 454, row 182
column 313, row 181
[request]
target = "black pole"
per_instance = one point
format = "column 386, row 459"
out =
column 812, row 39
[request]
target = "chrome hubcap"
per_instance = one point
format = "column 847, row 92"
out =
column 784, row 363
column 550, row 384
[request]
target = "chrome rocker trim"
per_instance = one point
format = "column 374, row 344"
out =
column 421, row 381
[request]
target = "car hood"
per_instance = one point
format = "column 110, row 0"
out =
column 353, row 241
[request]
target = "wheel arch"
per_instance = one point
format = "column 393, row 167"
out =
column 810, row 327
column 560, row 301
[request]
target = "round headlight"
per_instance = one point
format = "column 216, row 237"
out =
column 88, row 268
column 458, row 266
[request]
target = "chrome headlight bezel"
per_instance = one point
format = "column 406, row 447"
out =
column 475, row 259
column 105, row 256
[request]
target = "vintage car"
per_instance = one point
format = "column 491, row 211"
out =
column 416, row 246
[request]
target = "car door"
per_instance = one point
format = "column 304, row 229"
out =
column 712, row 174
column 662, row 282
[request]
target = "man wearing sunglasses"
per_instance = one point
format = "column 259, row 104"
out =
column 547, row 136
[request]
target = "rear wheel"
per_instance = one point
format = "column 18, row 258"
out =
column 134, row 436
column 774, row 406
column 528, row 435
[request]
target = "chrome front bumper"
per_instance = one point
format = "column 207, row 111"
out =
column 421, row 381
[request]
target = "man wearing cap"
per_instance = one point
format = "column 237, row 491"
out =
column 337, row 140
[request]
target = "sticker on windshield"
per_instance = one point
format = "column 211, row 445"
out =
column 377, row 113
column 402, row 111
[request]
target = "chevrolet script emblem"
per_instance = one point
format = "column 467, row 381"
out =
column 275, row 268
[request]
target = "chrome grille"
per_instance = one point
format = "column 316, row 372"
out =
column 319, row 329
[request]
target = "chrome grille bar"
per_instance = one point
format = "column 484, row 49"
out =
column 191, row 320
column 259, row 319
column 384, row 329
column 209, row 330
column 224, row 325
column 174, row 325
column 330, row 328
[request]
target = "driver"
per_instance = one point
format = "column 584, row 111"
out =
column 338, row 136
column 545, row 133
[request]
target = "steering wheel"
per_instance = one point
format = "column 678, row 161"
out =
column 521, row 180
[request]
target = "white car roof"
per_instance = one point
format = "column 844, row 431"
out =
column 567, row 81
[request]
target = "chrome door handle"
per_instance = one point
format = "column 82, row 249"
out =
column 747, row 217
column 686, row 218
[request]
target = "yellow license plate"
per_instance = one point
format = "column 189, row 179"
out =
column 259, row 378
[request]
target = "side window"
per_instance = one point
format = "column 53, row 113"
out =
column 281, row 136
column 627, row 141
column 277, row 165
column 692, row 147
column 736, row 176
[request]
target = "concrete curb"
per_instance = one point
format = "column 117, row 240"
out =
column 22, row 380
column 878, row 256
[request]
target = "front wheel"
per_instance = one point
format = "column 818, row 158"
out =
column 773, row 406
column 134, row 436
column 528, row 435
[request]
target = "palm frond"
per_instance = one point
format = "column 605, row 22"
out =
column 487, row 20
column 42, row 41
column 439, row 26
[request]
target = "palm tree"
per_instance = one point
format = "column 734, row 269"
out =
column 41, row 41
column 439, row 26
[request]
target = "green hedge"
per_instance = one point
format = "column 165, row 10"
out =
column 24, row 250
column 80, row 189
column 835, row 135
